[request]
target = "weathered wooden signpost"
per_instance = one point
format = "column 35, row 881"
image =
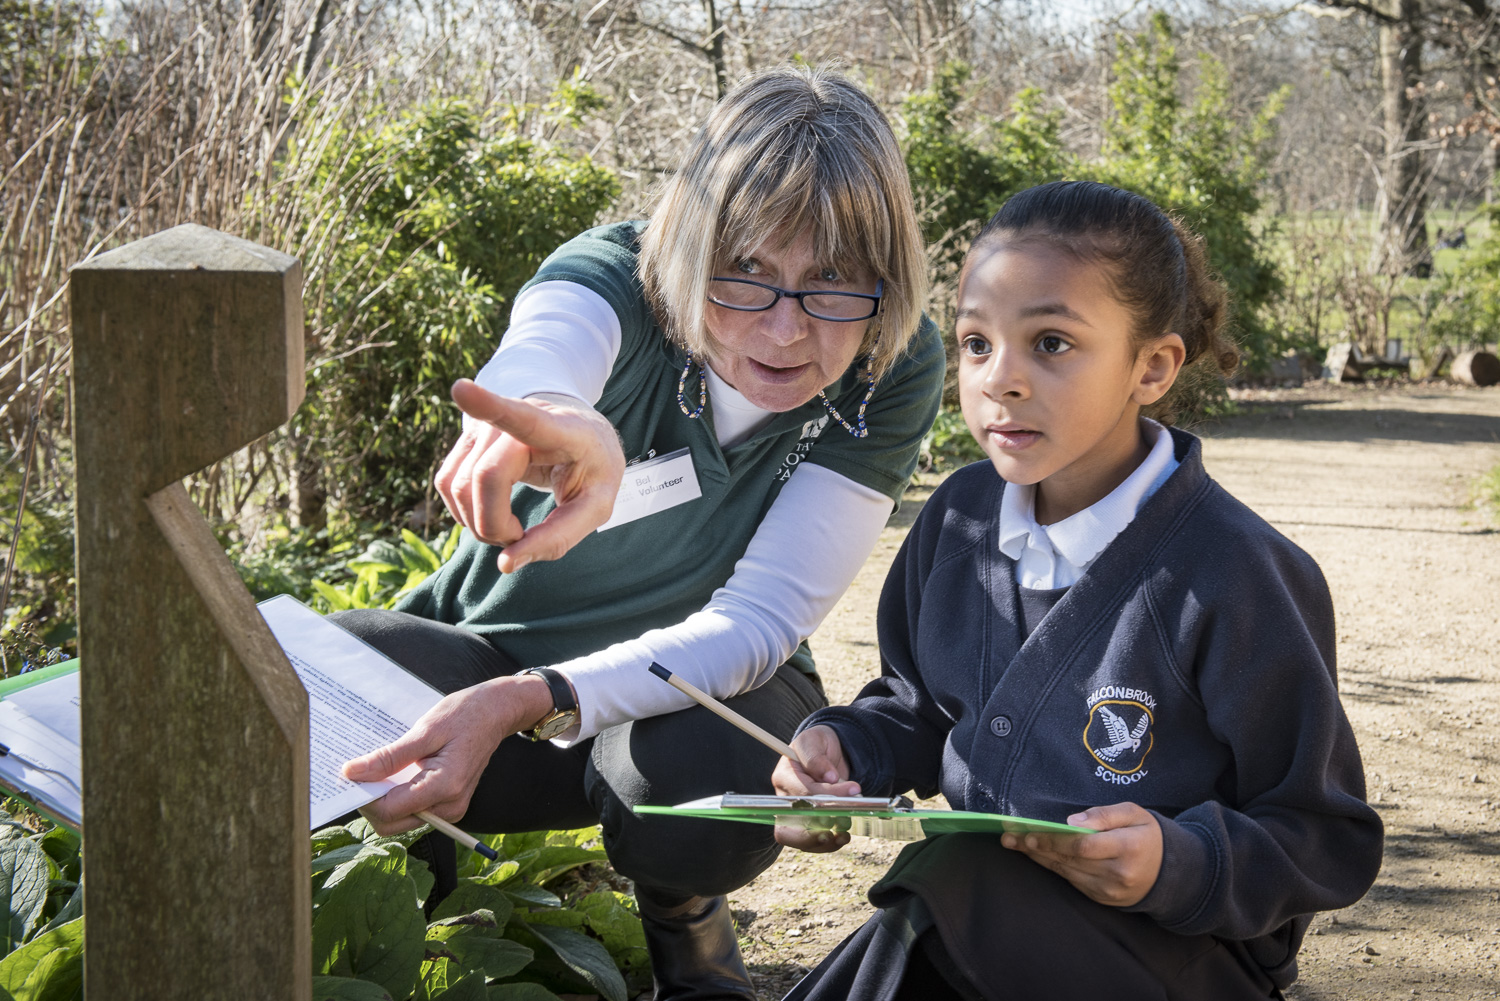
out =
column 187, row 345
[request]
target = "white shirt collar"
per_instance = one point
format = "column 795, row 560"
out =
column 1056, row 555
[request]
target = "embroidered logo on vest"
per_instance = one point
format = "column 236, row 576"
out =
column 1118, row 734
column 810, row 432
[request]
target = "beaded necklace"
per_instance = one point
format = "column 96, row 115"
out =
column 858, row 429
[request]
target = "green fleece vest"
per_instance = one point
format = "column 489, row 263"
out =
column 658, row 570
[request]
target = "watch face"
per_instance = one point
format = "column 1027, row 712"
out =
column 556, row 723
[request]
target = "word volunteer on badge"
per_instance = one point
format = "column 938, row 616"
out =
column 654, row 485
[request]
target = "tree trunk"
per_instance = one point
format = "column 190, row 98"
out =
column 1405, row 221
column 715, row 49
column 309, row 500
column 1485, row 72
column 313, row 44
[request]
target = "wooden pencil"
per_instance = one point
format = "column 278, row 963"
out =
column 713, row 705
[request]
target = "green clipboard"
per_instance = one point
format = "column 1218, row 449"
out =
column 11, row 685
column 894, row 818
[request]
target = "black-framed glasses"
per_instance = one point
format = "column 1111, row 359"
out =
column 756, row 297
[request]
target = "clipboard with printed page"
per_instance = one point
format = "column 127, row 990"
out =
column 892, row 818
column 358, row 700
column 40, row 761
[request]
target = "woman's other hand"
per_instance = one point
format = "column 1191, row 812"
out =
column 1118, row 866
column 554, row 443
column 826, row 773
column 451, row 744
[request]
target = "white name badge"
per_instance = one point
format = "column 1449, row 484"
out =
column 655, row 485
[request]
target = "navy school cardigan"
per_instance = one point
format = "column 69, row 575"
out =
column 1190, row 670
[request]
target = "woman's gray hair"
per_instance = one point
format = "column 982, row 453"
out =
column 787, row 152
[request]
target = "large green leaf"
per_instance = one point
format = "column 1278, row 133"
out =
column 370, row 927
column 347, row 989
column 556, row 859
column 335, row 857
column 585, row 957
column 73, row 908
column 500, row 872
column 446, row 981
column 48, row 968
column 25, row 873
column 482, row 920
column 329, row 838
column 496, row 957
column 610, row 917
column 344, row 860
column 62, row 847
column 521, row 842
column 337, row 600
column 470, row 897
column 418, row 555
column 421, row 877
column 533, row 896
column 472, row 942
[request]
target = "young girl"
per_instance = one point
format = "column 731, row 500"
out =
column 1098, row 624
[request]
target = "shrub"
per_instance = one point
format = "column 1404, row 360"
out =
column 1469, row 312
column 1191, row 159
column 417, row 235
column 1194, row 160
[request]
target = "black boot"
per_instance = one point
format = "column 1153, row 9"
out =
column 694, row 953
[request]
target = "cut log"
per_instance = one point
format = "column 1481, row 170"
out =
column 1476, row 368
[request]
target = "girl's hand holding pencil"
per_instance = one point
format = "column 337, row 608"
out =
column 821, row 769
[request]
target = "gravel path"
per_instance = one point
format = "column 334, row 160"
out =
column 1376, row 484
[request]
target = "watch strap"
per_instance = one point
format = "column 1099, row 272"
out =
column 562, row 692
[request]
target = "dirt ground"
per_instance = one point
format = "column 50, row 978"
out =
column 1376, row 483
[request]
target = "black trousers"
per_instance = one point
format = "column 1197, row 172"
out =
column 662, row 760
column 963, row 916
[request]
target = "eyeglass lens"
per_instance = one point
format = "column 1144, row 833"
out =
column 825, row 305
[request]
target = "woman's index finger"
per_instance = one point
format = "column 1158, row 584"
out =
column 521, row 419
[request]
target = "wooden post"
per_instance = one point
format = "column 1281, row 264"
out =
column 187, row 345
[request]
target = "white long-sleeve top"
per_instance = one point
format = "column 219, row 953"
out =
column 564, row 339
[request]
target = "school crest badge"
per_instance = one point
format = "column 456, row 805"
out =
column 1119, row 734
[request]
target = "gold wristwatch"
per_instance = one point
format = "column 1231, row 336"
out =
column 564, row 707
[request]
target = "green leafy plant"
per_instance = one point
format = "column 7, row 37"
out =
column 42, row 616
column 42, row 898
column 385, row 571
column 544, row 918
column 961, row 177
column 948, row 444
column 1469, row 313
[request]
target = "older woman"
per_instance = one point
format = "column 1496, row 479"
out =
column 755, row 363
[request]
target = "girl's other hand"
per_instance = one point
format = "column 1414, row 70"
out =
column 1118, row 866
column 826, row 774
column 556, row 444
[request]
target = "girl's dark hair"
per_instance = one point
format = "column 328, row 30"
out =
column 1157, row 267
